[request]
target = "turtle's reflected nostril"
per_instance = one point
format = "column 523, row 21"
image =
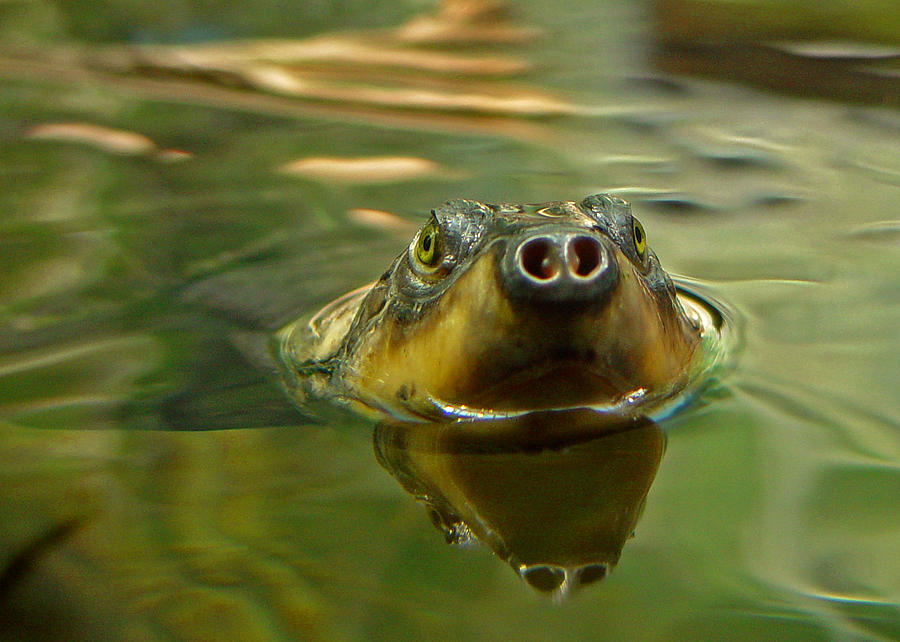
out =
column 538, row 259
column 592, row 573
column 544, row 578
column 583, row 256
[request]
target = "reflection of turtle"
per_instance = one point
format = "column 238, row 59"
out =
column 554, row 494
column 499, row 309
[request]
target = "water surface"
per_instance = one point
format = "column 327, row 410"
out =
column 155, row 480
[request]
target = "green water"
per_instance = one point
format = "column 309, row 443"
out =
column 137, row 411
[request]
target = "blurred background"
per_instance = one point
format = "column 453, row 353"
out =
column 180, row 179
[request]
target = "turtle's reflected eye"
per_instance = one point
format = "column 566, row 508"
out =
column 428, row 246
column 640, row 238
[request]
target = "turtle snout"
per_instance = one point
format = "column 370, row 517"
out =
column 559, row 268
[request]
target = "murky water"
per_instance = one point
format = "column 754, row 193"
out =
column 156, row 482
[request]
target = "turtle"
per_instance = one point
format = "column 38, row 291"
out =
column 495, row 310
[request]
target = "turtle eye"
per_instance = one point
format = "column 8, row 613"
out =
column 640, row 238
column 428, row 251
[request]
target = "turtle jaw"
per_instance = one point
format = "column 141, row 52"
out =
column 547, row 385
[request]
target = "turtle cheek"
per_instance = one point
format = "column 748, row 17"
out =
column 434, row 357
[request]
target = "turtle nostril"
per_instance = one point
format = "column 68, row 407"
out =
column 558, row 266
column 537, row 259
column 583, row 256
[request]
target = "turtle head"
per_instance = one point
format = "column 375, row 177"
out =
column 497, row 309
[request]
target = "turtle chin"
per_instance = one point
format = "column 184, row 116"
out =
column 561, row 384
column 573, row 366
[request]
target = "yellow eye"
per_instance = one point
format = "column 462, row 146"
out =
column 427, row 247
column 640, row 237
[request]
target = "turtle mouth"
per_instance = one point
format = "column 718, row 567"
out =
column 551, row 384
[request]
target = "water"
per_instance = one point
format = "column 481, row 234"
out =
column 136, row 290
